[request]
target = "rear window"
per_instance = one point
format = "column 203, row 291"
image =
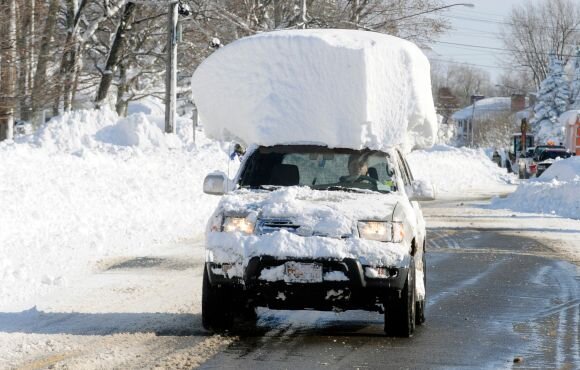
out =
column 553, row 154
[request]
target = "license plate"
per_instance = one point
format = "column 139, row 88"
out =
column 296, row 272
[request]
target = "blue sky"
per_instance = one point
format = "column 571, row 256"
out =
column 478, row 26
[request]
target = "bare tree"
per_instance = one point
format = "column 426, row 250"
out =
column 74, row 52
column 494, row 130
column 7, row 67
column 115, row 52
column 536, row 29
column 40, row 84
column 461, row 80
column 515, row 82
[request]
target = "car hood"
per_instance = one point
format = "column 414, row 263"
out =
column 313, row 212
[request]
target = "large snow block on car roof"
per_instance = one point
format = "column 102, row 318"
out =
column 340, row 88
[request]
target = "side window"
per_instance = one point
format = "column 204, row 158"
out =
column 407, row 168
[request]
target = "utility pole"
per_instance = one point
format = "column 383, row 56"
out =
column 171, row 71
column 474, row 99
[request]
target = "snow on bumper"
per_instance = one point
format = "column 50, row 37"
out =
column 237, row 249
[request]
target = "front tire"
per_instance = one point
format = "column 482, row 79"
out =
column 216, row 306
column 400, row 309
column 420, row 305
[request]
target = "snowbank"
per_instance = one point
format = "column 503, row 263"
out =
column 90, row 185
column 455, row 171
column 342, row 88
column 555, row 192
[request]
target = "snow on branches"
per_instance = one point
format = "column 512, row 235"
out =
column 554, row 93
column 575, row 83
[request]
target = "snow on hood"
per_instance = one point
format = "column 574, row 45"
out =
column 331, row 213
column 325, row 217
column 340, row 88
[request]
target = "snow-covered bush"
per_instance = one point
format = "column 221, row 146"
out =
column 575, row 83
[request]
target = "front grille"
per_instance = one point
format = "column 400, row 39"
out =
column 265, row 226
column 270, row 225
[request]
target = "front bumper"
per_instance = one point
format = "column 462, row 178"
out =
column 359, row 291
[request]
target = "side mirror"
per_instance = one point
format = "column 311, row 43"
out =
column 421, row 190
column 216, row 183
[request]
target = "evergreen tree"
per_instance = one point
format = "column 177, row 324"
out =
column 554, row 93
column 575, row 84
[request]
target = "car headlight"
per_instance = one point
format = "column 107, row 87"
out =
column 382, row 231
column 238, row 224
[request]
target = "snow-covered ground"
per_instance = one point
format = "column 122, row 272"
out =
column 89, row 185
column 555, row 192
column 102, row 220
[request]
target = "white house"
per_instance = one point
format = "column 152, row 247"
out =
column 466, row 119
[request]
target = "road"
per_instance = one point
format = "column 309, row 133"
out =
column 497, row 298
column 492, row 299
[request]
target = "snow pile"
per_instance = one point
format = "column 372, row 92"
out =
column 73, row 131
column 83, row 130
column 555, row 192
column 455, row 171
column 340, row 88
column 89, row 185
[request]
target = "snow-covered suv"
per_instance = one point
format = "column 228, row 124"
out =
column 297, row 230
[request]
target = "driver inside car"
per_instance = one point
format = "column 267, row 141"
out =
column 357, row 167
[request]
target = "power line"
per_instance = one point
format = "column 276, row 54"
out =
column 498, row 22
column 496, row 49
column 478, row 65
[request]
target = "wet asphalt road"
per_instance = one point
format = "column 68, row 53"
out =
column 494, row 301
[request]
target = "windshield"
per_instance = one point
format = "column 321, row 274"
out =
column 319, row 168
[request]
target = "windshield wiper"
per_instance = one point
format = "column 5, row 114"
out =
column 262, row 187
column 344, row 188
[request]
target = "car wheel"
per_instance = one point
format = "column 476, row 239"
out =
column 420, row 305
column 216, row 306
column 400, row 309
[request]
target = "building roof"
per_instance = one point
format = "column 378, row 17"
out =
column 484, row 107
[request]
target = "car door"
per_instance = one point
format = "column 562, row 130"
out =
column 418, row 213
column 419, row 254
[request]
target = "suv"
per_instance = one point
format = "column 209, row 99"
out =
column 299, row 230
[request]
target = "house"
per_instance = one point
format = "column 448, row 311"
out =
column 483, row 109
